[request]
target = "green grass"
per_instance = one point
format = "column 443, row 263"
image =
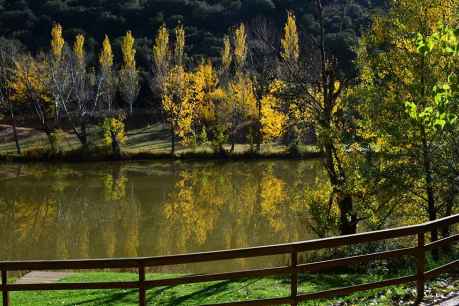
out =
column 205, row 293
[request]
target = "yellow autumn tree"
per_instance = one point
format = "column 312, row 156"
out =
column 273, row 120
column 59, row 78
column 57, row 41
column 240, row 46
column 179, row 50
column 177, row 104
column 29, row 84
column 114, row 133
column 84, row 92
column 226, row 55
column 204, row 87
column 290, row 40
column 129, row 76
column 78, row 49
column 243, row 103
column 161, row 54
column 106, row 68
column 106, row 54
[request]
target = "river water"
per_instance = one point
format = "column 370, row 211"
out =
column 105, row 210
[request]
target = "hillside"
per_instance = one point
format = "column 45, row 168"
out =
column 30, row 21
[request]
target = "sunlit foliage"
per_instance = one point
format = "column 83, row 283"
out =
column 290, row 40
column 57, row 41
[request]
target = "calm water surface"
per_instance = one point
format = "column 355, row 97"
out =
column 153, row 208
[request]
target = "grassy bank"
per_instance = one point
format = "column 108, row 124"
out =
column 147, row 143
column 249, row 289
column 208, row 293
column 230, row 291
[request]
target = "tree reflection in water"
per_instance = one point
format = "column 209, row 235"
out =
column 154, row 208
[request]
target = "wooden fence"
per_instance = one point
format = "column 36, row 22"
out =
column 292, row 270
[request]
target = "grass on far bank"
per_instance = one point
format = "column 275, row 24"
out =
column 150, row 142
column 207, row 293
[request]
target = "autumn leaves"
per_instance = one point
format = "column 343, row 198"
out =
column 217, row 101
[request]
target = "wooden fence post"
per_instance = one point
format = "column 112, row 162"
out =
column 420, row 266
column 142, row 299
column 294, row 279
column 5, row 297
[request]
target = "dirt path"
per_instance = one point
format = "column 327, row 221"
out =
column 42, row 277
column 453, row 301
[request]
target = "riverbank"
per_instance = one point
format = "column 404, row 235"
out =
column 147, row 143
column 228, row 291
column 200, row 153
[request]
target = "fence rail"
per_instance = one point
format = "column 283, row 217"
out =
column 292, row 249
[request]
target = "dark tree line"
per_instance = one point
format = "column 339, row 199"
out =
column 206, row 21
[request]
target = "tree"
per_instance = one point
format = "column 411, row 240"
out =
column 273, row 120
column 114, row 133
column 313, row 89
column 59, row 77
column 86, row 91
column 175, row 85
column 109, row 80
column 161, row 58
column 226, row 54
column 405, row 110
column 129, row 76
column 204, row 86
column 178, row 105
column 179, row 50
column 290, row 41
column 241, row 91
column 240, row 88
column 29, row 84
column 8, row 52
column 240, row 47
column 263, row 41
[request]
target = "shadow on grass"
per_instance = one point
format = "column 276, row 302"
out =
column 198, row 295
column 131, row 296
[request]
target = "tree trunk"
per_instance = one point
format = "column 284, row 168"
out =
column 348, row 218
column 51, row 140
column 84, row 137
column 431, row 208
column 15, row 133
column 115, row 145
column 446, row 230
column 172, row 139
column 259, row 127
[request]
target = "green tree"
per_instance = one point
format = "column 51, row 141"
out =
column 313, row 91
column 406, row 107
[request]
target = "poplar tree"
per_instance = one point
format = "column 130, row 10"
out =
column 85, row 94
column 106, row 74
column 129, row 76
column 290, row 52
column 161, row 58
column 175, row 85
column 314, row 88
column 59, row 78
column 240, row 88
column 226, row 55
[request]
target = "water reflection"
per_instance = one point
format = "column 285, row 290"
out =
column 149, row 209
